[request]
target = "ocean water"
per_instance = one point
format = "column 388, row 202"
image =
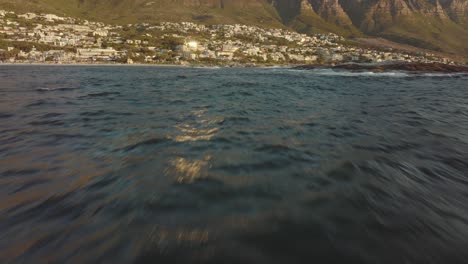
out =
column 214, row 165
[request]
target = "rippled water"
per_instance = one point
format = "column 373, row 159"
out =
column 187, row 165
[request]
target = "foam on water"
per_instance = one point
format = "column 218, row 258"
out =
column 397, row 74
column 330, row 72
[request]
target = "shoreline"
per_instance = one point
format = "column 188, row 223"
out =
column 147, row 65
column 351, row 67
column 89, row 64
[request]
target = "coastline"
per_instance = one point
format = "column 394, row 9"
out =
column 89, row 64
column 147, row 65
column 352, row 67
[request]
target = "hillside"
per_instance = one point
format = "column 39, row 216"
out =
column 439, row 25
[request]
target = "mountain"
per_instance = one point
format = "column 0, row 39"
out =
column 440, row 25
column 434, row 24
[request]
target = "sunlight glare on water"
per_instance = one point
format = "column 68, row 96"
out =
column 199, row 165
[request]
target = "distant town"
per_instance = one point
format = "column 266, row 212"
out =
column 48, row 38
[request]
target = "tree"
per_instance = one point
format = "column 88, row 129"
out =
column 23, row 46
column 170, row 43
column 11, row 16
column 122, row 59
column 28, row 24
column 4, row 56
column 140, row 29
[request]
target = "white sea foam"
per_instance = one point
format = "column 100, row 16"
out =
column 45, row 89
column 397, row 74
column 330, row 72
column 208, row 67
column 443, row 74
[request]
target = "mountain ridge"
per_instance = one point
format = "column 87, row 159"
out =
column 440, row 25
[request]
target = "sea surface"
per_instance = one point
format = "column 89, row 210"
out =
column 215, row 165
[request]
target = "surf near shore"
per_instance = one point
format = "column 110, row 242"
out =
column 408, row 67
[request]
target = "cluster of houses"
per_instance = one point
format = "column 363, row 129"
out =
column 74, row 40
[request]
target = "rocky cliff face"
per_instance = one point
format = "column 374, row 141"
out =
column 435, row 24
column 219, row 3
column 457, row 10
column 331, row 11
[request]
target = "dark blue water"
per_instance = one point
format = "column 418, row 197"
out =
column 186, row 165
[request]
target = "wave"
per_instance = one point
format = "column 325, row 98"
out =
column 5, row 115
column 330, row 72
column 443, row 74
column 208, row 67
column 398, row 74
column 46, row 89
column 147, row 142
